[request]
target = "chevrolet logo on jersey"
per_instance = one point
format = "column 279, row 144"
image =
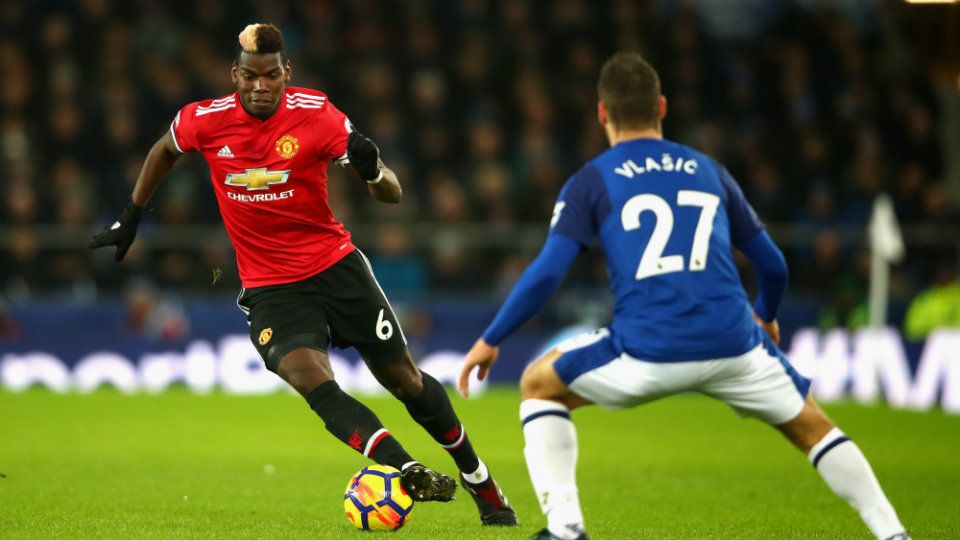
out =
column 257, row 179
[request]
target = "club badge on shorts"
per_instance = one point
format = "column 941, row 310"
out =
column 287, row 146
column 265, row 336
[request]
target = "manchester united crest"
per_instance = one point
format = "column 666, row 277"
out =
column 287, row 146
column 265, row 336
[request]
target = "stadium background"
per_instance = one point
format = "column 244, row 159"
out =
column 483, row 109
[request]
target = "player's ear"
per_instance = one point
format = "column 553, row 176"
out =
column 662, row 105
column 287, row 71
column 233, row 74
column 602, row 113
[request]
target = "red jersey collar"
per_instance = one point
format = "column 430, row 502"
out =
column 242, row 113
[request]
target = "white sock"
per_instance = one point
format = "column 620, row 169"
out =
column 551, row 454
column 843, row 466
column 478, row 476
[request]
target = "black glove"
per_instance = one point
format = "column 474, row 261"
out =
column 121, row 233
column 363, row 155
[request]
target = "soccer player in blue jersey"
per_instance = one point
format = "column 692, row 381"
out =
column 666, row 217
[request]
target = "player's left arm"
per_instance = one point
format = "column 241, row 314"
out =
column 341, row 142
column 529, row 295
column 534, row 288
column 364, row 163
column 583, row 204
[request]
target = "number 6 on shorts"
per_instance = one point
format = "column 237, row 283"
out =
column 384, row 327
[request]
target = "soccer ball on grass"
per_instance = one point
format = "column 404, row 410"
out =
column 375, row 500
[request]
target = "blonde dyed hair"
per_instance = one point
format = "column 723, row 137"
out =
column 261, row 38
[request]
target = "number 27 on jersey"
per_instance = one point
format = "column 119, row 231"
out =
column 652, row 262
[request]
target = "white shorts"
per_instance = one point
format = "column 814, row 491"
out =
column 760, row 383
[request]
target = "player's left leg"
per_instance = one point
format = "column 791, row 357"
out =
column 583, row 370
column 551, row 446
column 361, row 316
column 430, row 406
column 844, row 468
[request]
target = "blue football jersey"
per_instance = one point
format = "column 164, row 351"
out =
column 666, row 217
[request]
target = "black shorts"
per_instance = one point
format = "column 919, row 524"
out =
column 342, row 306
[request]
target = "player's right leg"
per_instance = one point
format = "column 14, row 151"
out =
column 290, row 333
column 761, row 383
column 844, row 468
column 308, row 372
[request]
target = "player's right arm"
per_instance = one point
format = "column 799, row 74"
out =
column 748, row 235
column 162, row 156
column 772, row 276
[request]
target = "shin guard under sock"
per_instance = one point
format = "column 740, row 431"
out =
column 845, row 469
column 434, row 412
column 356, row 425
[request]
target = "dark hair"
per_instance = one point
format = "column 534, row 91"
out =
column 629, row 87
column 260, row 39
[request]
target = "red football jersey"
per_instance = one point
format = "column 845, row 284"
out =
column 270, row 177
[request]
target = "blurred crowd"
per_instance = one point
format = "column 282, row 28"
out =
column 483, row 109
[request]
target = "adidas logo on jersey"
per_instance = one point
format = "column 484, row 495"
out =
column 225, row 152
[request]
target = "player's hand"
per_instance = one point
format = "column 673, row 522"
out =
column 121, row 233
column 481, row 354
column 363, row 155
column 772, row 328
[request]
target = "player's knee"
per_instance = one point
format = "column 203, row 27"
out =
column 306, row 380
column 304, row 370
column 406, row 388
column 533, row 385
column 402, row 379
column 539, row 380
column 807, row 428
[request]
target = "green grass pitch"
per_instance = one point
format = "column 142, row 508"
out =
column 178, row 465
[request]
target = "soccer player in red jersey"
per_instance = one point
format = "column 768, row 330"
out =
column 305, row 285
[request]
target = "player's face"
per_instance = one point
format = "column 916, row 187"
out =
column 260, row 80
